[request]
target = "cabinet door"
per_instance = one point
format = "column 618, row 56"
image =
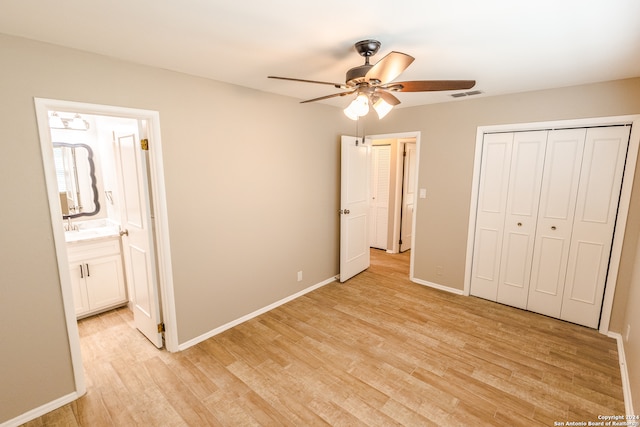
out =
column 527, row 161
column 555, row 219
column 79, row 288
column 492, row 200
column 105, row 282
column 596, row 209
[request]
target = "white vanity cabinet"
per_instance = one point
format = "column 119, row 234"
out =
column 97, row 275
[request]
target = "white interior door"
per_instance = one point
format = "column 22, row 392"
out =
column 138, row 246
column 603, row 162
column 379, row 201
column 555, row 220
column 354, row 206
column 408, row 196
column 527, row 161
column 491, row 211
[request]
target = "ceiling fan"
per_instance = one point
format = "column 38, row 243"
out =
column 373, row 84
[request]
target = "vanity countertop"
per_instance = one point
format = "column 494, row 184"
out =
column 87, row 234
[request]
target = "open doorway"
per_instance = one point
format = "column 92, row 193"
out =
column 106, row 194
column 394, row 180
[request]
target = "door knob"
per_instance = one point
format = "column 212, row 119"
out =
column 519, row 224
column 124, row 232
column 344, row 211
column 553, row 227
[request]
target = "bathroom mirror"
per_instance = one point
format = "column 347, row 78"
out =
column 75, row 172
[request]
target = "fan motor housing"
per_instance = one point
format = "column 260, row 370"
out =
column 356, row 75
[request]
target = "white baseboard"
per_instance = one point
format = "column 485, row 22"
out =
column 624, row 373
column 249, row 316
column 437, row 286
column 41, row 410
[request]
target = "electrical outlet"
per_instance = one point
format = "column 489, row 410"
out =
column 300, row 276
column 627, row 332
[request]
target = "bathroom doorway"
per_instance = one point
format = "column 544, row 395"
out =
column 139, row 215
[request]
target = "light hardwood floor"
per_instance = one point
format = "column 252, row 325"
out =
column 377, row 350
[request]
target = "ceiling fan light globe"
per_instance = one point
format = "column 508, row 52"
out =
column 361, row 105
column 350, row 113
column 382, row 108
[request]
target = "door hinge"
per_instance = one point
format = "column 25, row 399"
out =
column 144, row 144
column 160, row 327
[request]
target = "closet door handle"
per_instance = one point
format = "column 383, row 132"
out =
column 88, row 270
column 519, row 224
column 81, row 273
column 553, row 227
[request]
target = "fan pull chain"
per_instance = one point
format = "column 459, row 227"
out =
column 363, row 135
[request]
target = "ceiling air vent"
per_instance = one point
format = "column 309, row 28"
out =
column 470, row 93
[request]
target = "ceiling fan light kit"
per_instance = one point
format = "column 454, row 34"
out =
column 373, row 84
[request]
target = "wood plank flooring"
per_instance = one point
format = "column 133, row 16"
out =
column 377, row 350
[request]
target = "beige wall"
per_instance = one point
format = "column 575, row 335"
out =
column 252, row 194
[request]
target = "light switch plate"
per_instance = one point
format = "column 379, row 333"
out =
column 423, row 193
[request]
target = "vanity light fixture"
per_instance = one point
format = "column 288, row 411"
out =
column 72, row 122
column 55, row 122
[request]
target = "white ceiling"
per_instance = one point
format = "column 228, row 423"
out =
column 505, row 45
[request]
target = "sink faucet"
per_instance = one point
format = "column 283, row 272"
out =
column 70, row 226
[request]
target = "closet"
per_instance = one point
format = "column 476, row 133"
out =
column 546, row 212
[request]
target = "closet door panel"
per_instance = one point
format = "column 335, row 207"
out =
column 492, row 200
column 555, row 220
column 589, row 257
column 527, row 162
column 550, row 271
column 596, row 209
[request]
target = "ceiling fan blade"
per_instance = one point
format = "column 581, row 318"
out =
column 337, row 85
column 387, row 97
column 430, row 85
column 328, row 96
column 389, row 67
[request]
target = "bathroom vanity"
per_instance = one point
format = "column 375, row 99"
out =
column 95, row 266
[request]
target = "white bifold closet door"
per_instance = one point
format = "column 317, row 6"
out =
column 605, row 153
column 527, row 161
column 547, row 205
column 492, row 201
column 555, row 220
column 379, row 203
